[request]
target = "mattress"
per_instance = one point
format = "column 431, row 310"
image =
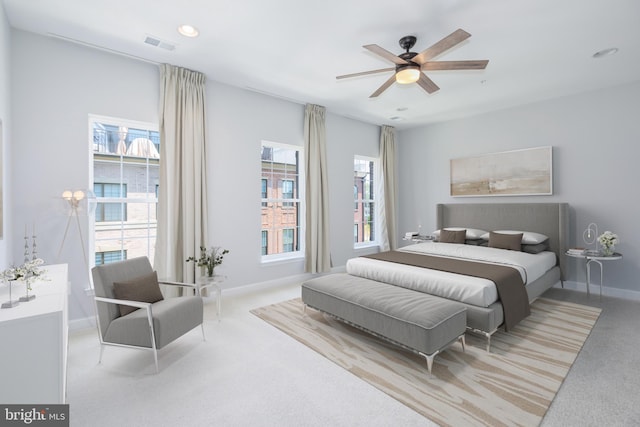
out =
column 470, row 290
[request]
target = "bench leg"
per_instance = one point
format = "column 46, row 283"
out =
column 429, row 358
column 432, row 356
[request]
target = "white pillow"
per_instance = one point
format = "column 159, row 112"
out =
column 528, row 237
column 472, row 233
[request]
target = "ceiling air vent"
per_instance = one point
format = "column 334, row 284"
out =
column 154, row 41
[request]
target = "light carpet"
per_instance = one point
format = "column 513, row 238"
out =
column 511, row 386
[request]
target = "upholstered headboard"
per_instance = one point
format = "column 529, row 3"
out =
column 551, row 219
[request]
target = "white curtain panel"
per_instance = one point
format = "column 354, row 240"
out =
column 182, row 199
column 317, row 253
column 387, row 189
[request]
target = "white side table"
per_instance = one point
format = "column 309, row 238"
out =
column 215, row 284
column 591, row 257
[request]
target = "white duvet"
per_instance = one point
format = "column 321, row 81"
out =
column 470, row 290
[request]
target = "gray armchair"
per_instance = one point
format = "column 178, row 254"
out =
column 151, row 327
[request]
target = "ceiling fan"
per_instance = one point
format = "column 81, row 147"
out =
column 410, row 65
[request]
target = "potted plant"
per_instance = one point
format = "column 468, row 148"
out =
column 209, row 258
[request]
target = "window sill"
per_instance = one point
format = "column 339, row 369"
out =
column 282, row 259
column 366, row 246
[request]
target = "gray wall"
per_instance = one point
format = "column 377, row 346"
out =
column 58, row 84
column 595, row 154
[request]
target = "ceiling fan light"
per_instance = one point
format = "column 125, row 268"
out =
column 407, row 75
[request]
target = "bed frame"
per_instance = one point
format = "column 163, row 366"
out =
column 551, row 219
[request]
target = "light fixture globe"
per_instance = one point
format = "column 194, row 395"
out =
column 408, row 74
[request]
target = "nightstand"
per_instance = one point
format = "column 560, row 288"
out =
column 597, row 258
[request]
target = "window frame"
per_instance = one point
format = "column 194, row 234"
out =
column 373, row 200
column 288, row 205
column 91, row 219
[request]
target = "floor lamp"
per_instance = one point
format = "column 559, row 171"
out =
column 73, row 198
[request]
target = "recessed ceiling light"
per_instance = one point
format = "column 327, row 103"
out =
column 605, row 52
column 188, row 30
column 396, row 118
column 402, row 108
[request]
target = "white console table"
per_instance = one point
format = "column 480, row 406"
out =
column 33, row 341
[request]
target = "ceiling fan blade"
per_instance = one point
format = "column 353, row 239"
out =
column 384, row 86
column 364, row 73
column 446, row 43
column 384, row 53
column 427, row 84
column 455, row 65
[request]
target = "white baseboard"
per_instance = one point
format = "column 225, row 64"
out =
column 606, row 291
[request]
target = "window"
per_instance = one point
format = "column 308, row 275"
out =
column 287, row 192
column 125, row 176
column 110, row 256
column 110, row 211
column 265, row 239
column 287, row 240
column 281, row 203
column 364, row 195
column 264, row 191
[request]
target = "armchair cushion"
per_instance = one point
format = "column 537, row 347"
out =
column 142, row 288
column 172, row 317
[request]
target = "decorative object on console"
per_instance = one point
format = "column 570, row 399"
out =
column 608, row 241
column 12, row 302
column 209, row 259
column 26, row 273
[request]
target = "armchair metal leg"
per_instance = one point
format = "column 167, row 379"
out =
column 153, row 337
column 204, row 338
column 101, row 351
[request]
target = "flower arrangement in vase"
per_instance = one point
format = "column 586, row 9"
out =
column 27, row 272
column 608, row 241
column 209, row 258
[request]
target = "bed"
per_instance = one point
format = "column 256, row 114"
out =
column 485, row 307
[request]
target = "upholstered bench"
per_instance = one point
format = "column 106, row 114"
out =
column 423, row 323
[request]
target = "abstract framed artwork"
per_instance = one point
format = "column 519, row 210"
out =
column 524, row 172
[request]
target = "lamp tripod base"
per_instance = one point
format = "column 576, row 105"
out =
column 10, row 304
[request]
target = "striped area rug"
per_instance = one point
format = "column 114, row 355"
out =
column 511, row 386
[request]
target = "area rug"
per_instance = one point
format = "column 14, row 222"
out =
column 513, row 385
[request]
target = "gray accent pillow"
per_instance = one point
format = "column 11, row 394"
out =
column 535, row 249
column 143, row 288
column 505, row 241
column 450, row 236
column 475, row 242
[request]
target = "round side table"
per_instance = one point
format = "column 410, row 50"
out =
column 215, row 284
column 597, row 258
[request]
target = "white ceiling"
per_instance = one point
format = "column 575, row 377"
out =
column 293, row 49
